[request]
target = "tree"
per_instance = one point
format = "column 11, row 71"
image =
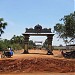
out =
column 31, row 44
column 45, row 44
column 4, row 43
column 2, row 26
column 17, row 42
column 67, row 29
column 17, row 39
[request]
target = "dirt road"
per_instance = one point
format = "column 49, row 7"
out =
column 37, row 62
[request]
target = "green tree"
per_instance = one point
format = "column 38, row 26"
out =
column 45, row 44
column 4, row 43
column 1, row 45
column 2, row 26
column 31, row 44
column 67, row 29
column 17, row 42
column 17, row 39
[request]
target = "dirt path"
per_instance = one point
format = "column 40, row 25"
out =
column 37, row 62
column 36, row 53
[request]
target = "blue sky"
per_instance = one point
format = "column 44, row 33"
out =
column 21, row 14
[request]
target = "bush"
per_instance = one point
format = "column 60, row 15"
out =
column 16, row 46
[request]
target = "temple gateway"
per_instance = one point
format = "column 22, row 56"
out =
column 38, row 31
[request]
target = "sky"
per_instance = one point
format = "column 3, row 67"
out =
column 21, row 14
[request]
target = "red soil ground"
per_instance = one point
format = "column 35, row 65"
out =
column 36, row 62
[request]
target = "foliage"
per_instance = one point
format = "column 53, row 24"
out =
column 45, row 44
column 4, row 44
column 2, row 26
column 16, row 46
column 1, row 45
column 67, row 29
column 16, row 42
column 31, row 44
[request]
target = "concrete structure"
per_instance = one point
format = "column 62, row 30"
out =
column 38, row 31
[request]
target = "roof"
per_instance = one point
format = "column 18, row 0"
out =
column 39, row 34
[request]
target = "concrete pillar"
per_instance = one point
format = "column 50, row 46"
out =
column 26, row 41
column 49, row 38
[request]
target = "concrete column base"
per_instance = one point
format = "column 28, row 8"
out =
column 25, row 52
column 49, row 53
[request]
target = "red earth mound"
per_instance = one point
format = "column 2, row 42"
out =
column 37, row 65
